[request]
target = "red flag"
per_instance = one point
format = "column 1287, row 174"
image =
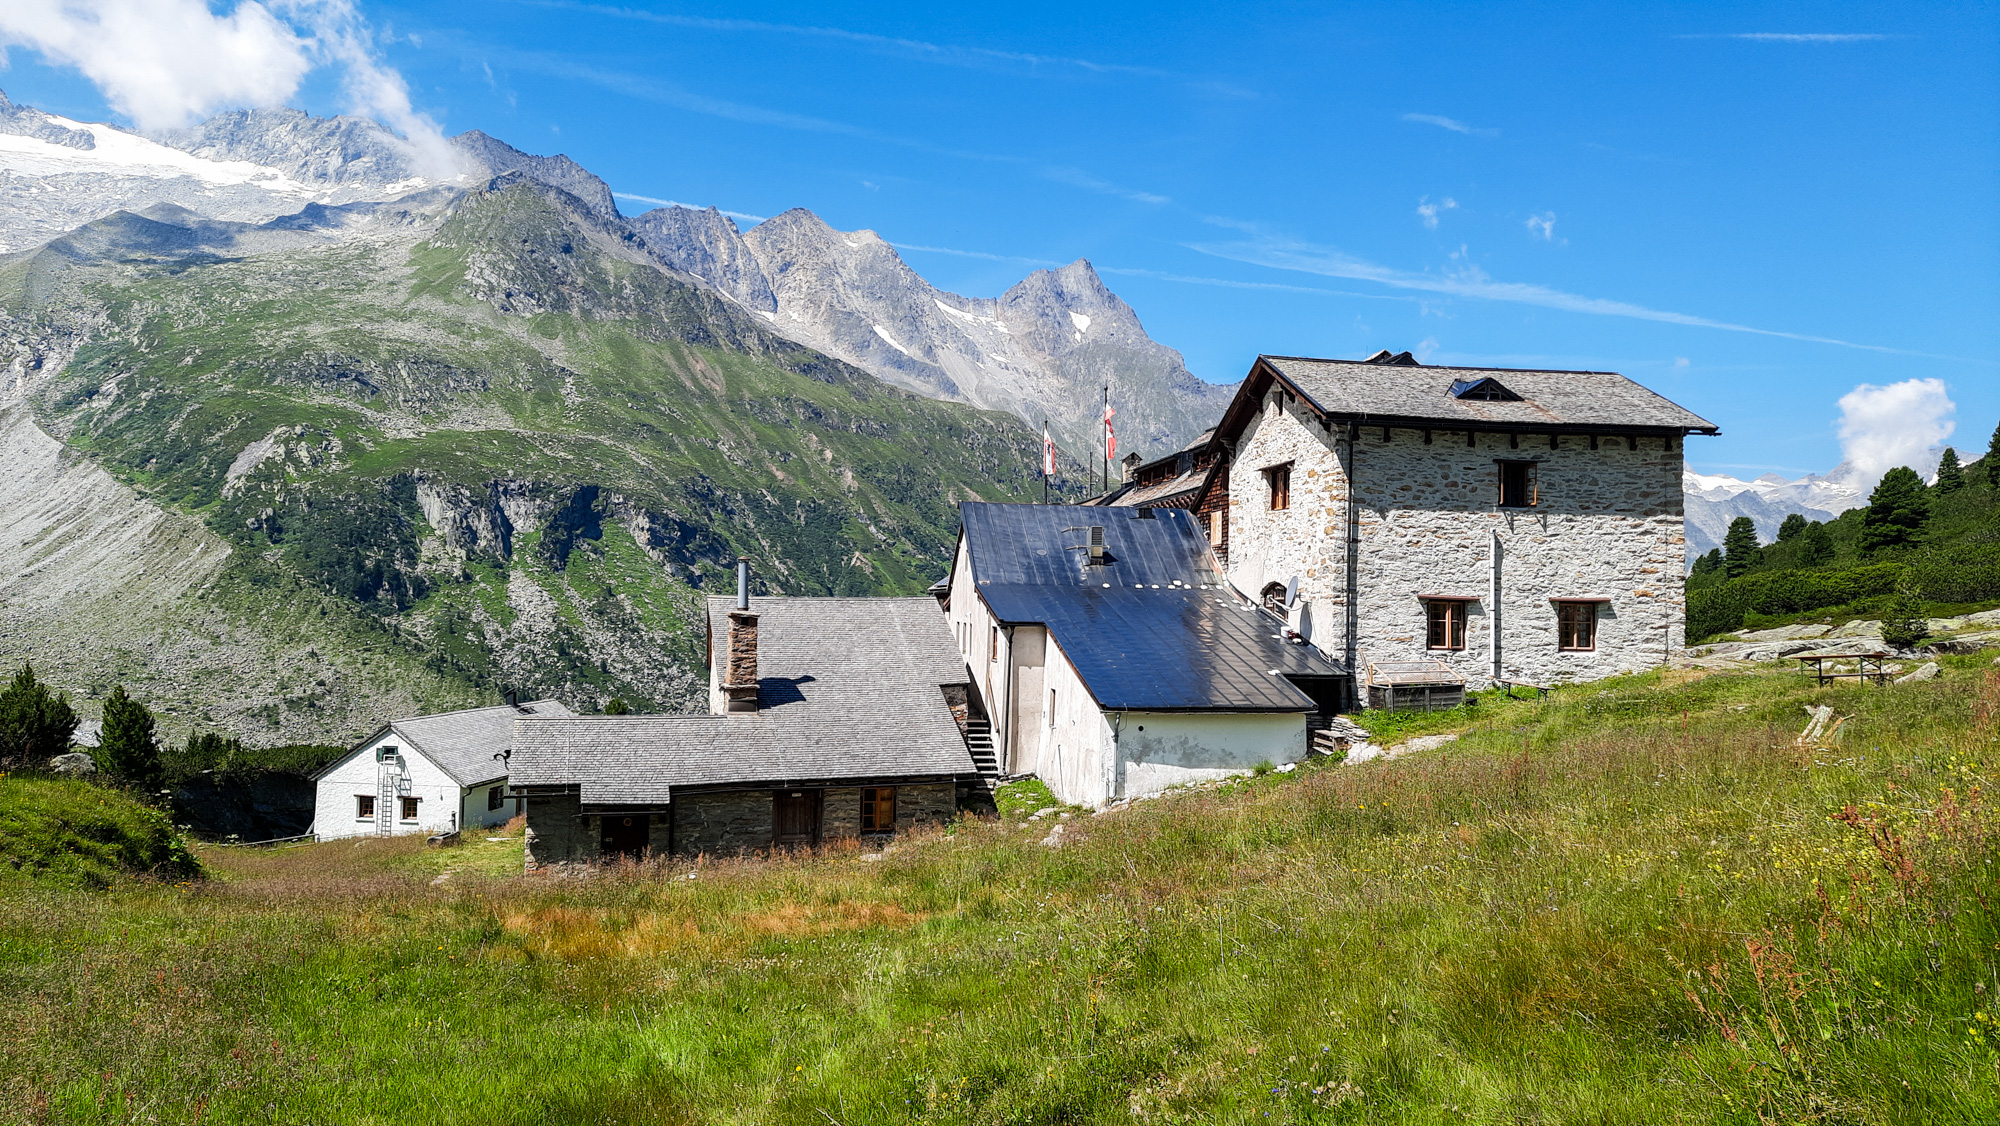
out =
column 1048, row 452
column 1110, row 436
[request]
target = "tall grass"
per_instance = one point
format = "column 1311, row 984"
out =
column 1635, row 902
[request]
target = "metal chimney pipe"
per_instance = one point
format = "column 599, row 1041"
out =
column 742, row 582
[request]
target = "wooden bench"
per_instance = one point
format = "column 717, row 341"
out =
column 1541, row 691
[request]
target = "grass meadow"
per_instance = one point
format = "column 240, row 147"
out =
column 1635, row 902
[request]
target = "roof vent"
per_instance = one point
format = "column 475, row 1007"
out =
column 1488, row 390
column 1097, row 545
column 1398, row 359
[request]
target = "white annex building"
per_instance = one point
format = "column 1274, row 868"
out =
column 426, row 774
column 1112, row 659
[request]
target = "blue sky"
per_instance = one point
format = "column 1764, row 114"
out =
column 1752, row 209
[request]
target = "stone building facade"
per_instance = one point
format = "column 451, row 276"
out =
column 1387, row 520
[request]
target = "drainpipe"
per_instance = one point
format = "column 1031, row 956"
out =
column 1353, row 562
column 1493, row 614
column 1117, row 758
column 1003, row 747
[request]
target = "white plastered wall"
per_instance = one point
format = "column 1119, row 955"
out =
column 1609, row 522
column 439, row 796
column 1157, row 750
column 1074, row 759
column 974, row 630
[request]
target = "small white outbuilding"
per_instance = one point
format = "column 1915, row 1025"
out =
column 426, row 774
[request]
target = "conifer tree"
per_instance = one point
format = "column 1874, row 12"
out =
column 617, row 706
column 1993, row 459
column 128, row 748
column 36, row 724
column 1816, row 546
column 1791, row 528
column 1708, row 563
column 1897, row 511
column 1740, row 550
column 1951, row 477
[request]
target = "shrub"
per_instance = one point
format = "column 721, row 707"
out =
column 1905, row 627
column 1722, row 608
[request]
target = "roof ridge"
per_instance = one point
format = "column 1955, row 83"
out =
column 1448, row 367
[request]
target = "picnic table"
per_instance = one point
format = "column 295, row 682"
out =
column 1508, row 686
column 1861, row 670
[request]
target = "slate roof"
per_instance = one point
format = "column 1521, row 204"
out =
column 463, row 744
column 1155, row 628
column 849, row 689
column 1363, row 391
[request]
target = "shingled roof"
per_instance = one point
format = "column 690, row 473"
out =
column 1152, row 628
column 1399, row 391
column 849, row 689
column 463, row 744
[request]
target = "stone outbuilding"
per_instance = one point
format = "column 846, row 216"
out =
column 1512, row 525
column 1115, row 661
column 830, row 719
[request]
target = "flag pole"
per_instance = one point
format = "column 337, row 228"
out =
column 1104, row 437
column 1045, row 467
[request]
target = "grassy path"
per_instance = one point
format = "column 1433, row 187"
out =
column 1635, row 902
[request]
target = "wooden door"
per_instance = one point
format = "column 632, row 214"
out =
column 795, row 818
column 624, row 834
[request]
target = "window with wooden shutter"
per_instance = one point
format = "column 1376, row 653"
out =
column 878, row 809
column 410, row 808
column 1520, row 484
column 364, row 806
column 1280, row 478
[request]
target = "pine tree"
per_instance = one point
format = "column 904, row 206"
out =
column 1993, row 459
column 1790, row 529
column 1897, row 511
column 36, row 724
column 1817, row 545
column 1951, row 477
column 1740, row 550
column 128, row 748
column 617, row 706
column 1709, row 563
column 1905, row 626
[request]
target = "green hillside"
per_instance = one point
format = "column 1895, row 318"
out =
column 493, row 436
column 1835, row 571
column 1635, row 903
column 61, row 833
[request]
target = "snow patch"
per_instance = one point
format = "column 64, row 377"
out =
column 118, row 152
column 1081, row 322
column 884, row 334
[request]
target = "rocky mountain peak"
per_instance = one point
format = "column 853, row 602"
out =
column 496, row 158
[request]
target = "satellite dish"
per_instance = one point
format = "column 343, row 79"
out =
column 1292, row 593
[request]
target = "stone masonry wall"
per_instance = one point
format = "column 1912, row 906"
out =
column 556, row 833
column 925, row 805
column 1609, row 522
column 839, row 814
column 723, row 824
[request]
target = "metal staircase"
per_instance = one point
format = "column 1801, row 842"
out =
column 979, row 741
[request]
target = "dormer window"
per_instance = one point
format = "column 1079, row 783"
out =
column 1488, row 390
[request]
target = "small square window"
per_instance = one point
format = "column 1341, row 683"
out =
column 878, row 809
column 496, row 797
column 364, row 805
column 1520, row 484
column 1280, row 477
column 1445, row 625
column 410, row 808
column 1576, row 625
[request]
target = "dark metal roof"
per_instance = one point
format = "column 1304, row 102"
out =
column 1152, row 629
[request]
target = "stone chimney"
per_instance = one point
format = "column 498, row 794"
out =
column 1130, row 465
column 739, row 680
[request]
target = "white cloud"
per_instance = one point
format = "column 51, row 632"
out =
column 1681, row 363
column 1452, row 124
column 1428, row 211
column 1794, row 36
column 1900, row 424
column 658, row 202
column 164, row 63
column 1468, row 280
column 1543, row 226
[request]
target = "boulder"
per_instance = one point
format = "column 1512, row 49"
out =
column 75, row 764
column 1799, row 632
column 1926, row 671
column 1985, row 619
column 1859, row 629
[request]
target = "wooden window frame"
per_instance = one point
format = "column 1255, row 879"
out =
column 410, row 808
column 496, row 796
column 1572, row 617
column 1446, row 615
column 875, row 801
column 364, row 807
column 993, row 644
column 1278, row 479
column 1531, row 482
